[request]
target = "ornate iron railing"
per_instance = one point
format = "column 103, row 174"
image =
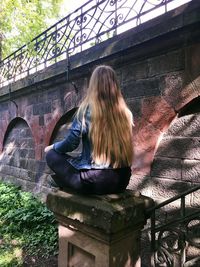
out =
column 92, row 23
column 176, row 241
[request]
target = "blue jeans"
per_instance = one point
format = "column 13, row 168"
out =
column 93, row 181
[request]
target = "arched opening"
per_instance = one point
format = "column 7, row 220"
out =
column 62, row 125
column 177, row 160
column 61, row 128
column 18, row 163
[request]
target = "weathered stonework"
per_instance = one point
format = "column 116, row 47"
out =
column 99, row 231
column 158, row 66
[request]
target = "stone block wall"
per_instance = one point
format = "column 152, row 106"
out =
column 178, row 155
column 158, row 67
column 28, row 124
column 18, row 150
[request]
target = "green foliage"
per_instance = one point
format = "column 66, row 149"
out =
column 28, row 222
column 22, row 20
column 9, row 257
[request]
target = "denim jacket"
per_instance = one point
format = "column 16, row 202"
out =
column 75, row 133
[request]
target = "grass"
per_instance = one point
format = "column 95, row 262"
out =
column 28, row 230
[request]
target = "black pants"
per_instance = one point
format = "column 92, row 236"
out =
column 94, row 181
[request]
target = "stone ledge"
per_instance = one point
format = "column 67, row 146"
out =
column 174, row 22
column 108, row 213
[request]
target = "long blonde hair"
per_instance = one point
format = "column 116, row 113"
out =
column 111, row 120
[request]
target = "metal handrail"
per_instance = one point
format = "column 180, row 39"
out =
column 90, row 24
column 177, row 228
column 170, row 200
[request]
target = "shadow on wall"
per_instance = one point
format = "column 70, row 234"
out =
column 176, row 165
column 176, row 168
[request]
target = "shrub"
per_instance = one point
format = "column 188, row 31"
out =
column 25, row 219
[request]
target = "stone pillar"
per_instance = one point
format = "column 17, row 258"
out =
column 99, row 231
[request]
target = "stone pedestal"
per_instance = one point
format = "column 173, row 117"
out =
column 99, row 231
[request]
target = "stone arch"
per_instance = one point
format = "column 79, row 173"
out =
column 176, row 164
column 12, row 124
column 61, row 128
column 62, row 125
column 18, row 163
column 57, row 118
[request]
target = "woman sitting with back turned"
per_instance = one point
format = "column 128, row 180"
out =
column 104, row 123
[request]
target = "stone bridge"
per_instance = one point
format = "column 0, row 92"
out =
column 158, row 66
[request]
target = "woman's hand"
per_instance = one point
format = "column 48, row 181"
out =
column 47, row 148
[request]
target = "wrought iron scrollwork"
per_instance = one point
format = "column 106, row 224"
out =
column 92, row 23
column 176, row 242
